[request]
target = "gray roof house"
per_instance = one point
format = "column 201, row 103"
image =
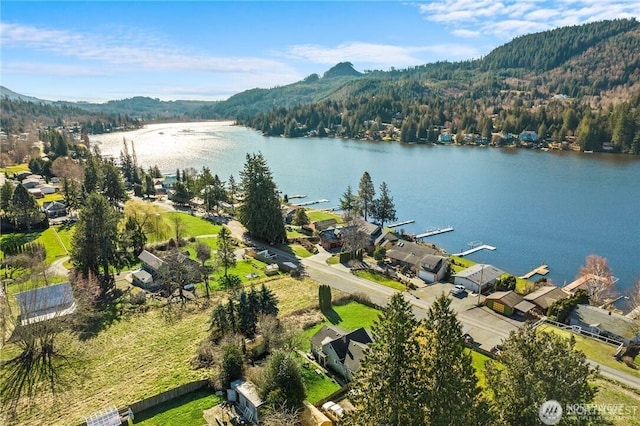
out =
column 605, row 323
column 425, row 261
column 339, row 349
column 45, row 303
column 150, row 262
column 478, row 277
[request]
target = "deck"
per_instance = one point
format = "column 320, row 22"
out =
column 540, row 270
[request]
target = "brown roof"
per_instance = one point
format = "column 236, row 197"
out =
column 508, row 298
column 545, row 296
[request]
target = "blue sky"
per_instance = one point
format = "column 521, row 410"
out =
column 209, row 50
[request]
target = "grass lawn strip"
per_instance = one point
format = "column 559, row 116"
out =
column 593, row 349
column 193, row 225
column 318, row 386
column 185, row 410
column 381, row 279
column 316, row 215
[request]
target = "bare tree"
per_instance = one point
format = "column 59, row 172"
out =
column 353, row 236
column 203, row 253
column 179, row 228
column 599, row 279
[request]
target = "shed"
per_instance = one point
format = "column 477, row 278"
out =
column 248, row 400
column 41, row 304
column 142, row 278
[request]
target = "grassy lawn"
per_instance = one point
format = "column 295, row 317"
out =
column 478, row 361
column 54, row 246
column 299, row 250
column 56, row 196
column 318, row 386
column 136, row 357
column 9, row 171
column 381, row 279
column 315, row 215
column 350, row 316
column 193, row 225
column 186, row 410
column 614, row 394
column 593, row 349
column 333, row 260
column 460, row 263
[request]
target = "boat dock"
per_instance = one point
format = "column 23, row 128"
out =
column 309, row 203
column 475, row 248
column 540, row 270
column 434, row 231
column 291, row 197
column 395, row 225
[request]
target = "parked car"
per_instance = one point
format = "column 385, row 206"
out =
column 457, row 289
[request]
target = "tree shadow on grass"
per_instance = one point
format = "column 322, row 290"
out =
column 332, row 316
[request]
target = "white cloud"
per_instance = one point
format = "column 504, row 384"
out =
column 465, row 33
column 137, row 50
column 509, row 18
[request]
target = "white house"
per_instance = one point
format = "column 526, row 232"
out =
column 478, row 277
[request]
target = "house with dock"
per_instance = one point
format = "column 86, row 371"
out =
column 426, row 262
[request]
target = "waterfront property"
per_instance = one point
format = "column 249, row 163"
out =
column 478, row 278
column 544, row 297
column 425, row 262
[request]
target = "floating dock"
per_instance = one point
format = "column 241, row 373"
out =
column 434, row 231
column 540, row 270
column 291, row 197
column 475, row 249
column 310, row 203
column 395, row 225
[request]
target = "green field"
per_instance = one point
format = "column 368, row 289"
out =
column 316, row 215
column 594, row 349
column 185, row 410
column 193, row 225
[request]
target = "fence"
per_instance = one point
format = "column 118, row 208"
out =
column 580, row 331
column 161, row 398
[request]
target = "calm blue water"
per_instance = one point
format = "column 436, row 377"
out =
column 535, row 207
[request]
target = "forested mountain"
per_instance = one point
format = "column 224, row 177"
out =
column 576, row 86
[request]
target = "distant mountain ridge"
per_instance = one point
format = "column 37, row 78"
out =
column 598, row 61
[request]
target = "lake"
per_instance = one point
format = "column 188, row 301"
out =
column 535, row 207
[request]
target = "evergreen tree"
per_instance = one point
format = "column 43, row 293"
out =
column 232, row 189
column 92, row 174
column 181, row 193
column 94, row 249
column 225, row 254
column 268, row 301
column 451, row 390
column 366, row 192
column 6, row 193
column 535, row 367
column 300, row 217
column 384, row 389
column 348, row 201
column 232, row 365
column 282, row 382
column 260, row 212
column 24, row 208
column 247, row 318
column 383, row 208
column 112, row 185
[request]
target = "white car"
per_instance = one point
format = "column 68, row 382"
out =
column 457, row 289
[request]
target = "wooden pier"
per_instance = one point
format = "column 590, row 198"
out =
column 540, row 270
column 475, row 249
column 291, row 197
column 395, row 225
column 436, row 231
column 309, row 203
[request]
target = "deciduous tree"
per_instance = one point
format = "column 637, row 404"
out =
column 599, row 279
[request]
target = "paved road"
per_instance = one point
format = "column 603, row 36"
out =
column 487, row 327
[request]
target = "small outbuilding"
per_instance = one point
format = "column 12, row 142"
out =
column 508, row 303
column 245, row 395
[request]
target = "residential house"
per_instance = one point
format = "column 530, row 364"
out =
column 329, row 240
column 36, row 192
column 425, row 262
column 145, row 276
column 528, row 136
column 33, row 181
column 45, row 303
column 478, row 278
column 247, row 399
column 508, row 303
column 544, row 297
column 47, row 188
column 54, row 209
column 605, row 323
column 321, row 225
column 371, row 232
column 445, row 138
column 386, row 239
column 339, row 349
